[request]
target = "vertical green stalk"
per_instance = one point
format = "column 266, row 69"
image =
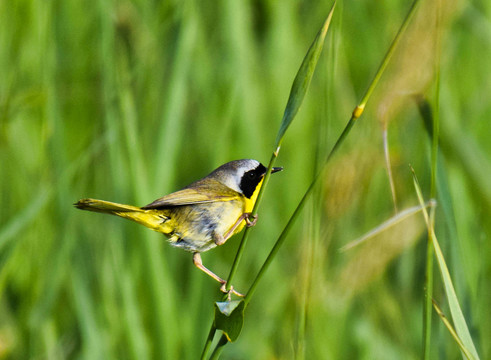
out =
column 209, row 340
column 297, row 211
column 428, row 289
column 389, row 168
column 459, row 321
column 219, row 348
column 242, row 244
column 383, row 65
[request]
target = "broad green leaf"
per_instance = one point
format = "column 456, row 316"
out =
column 303, row 78
column 229, row 317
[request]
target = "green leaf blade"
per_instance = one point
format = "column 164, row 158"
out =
column 303, row 78
column 453, row 302
column 229, row 317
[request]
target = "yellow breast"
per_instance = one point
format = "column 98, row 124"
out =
column 248, row 206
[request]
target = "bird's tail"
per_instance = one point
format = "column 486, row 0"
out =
column 104, row 206
column 153, row 219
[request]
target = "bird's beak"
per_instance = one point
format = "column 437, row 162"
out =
column 276, row 169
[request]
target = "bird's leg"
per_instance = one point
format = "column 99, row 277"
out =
column 249, row 223
column 199, row 264
column 219, row 239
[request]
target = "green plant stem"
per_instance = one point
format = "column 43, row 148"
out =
column 223, row 340
column 388, row 55
column 282, row 237
column 219, row 348
column 240, row 250
column 453, row 302
column 209, row 340
column 428, row 289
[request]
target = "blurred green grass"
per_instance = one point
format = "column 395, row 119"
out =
column 128, row 100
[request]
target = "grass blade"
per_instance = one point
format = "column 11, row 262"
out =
column 453, row 302
column 452, row 330
column 303, row 78
column 394, row 220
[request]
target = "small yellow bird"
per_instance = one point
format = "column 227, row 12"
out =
column 204, row 214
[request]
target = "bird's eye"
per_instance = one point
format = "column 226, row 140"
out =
column 251, row 175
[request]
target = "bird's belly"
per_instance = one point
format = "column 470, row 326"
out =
column 195, row 227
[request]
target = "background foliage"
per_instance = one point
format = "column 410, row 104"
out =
column 130, row 100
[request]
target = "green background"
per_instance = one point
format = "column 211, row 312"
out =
column 129, row 100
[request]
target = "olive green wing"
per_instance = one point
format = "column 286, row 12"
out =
column 197, row 193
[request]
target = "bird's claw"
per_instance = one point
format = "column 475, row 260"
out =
column 248, row 220
column 229, row 293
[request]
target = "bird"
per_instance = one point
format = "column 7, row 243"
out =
column 202, row 215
